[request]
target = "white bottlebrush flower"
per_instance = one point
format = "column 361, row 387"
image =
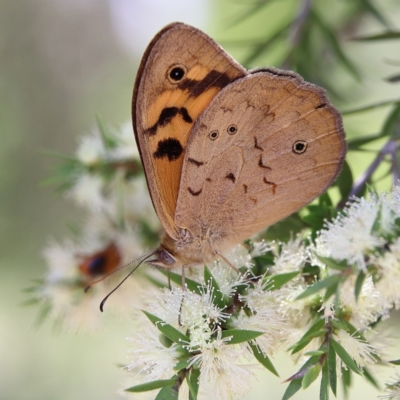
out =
column 239, row 257
column 197, row 310
column 350, row 237
column 88, row 191
column 151, row 360
column 389, row 275
column 392, row 389
column 226, row 277
column 61, row 261
column 91, row 149
column 290, row 257
column 69, row 271
column 362, row 353
column 260, row 248
column 267, row 320
column 223, row 371
column 364, row 310
column 126, row 148
column 396, row 199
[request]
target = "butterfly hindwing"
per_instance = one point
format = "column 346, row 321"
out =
column 267, row 145
column 181, row 72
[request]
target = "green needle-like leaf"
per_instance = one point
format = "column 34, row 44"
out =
column 192, row 379
column 168, row 330
column 240, row 335
column 324, row 388
column 310, row 376
column 263, row 359
column 359, row 283
column 145, row 387
column 218, row 297
column 391, row 126
column 176, row 278
column 380, row 36
column 332, row 369
column 318, row 286
column 167, row 393
column 277, row 281
column 345, row 356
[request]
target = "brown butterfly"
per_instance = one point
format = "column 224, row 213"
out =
column 226, row 151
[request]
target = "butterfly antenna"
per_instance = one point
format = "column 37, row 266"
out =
column 116, row 270
column 123, row 280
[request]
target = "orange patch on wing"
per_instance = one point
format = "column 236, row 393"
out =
column 101, row 263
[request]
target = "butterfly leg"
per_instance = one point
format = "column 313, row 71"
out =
column 227, row 261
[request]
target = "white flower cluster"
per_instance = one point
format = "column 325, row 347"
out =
column 109, row 237
column 366, row 237
column 226, row 370
column 392, row 389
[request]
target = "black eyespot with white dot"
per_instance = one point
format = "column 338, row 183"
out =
column 213, row 135
column 176, row 73
column 299, row 146
column 232, row 129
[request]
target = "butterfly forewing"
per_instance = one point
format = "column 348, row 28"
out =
column 267, row 145
column 181, row 72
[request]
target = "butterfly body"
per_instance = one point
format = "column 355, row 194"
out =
column 227, row 152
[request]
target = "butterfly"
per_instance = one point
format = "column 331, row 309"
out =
column 226, row 151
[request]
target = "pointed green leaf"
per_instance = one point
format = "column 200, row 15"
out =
column 393, row 78
column 218, row 297
column 339, row 324
column 165, row 341
column 192, row 379
column 370, row 378
column 332, row 369
column 310, row 376
column 292, row 389
column 277, row 281
column 266, row 45
column 180, row 365
column 370, row 107
column 167, row 393
column 315, row 327
column 395, row 362
column 263, row 359
column 324, row 388
column 359, row 283
column 346, row 381
column 168, row 330
column 318, row 286
column 352, row 330
column 176, row 278
column 345, row 181
column 330, row 291
column 109, row 141
column 380, row 36
column 315, row 352
column 345, row 356
column 356, row 143
column 145, row 387
column 334, row 44
column 391, row 125
column 240, row 335
column 304, row 342
column 370, row 8
column 255, row 8
column 296, row 379
column 331, row 263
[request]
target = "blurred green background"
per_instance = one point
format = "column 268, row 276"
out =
column 62, row 62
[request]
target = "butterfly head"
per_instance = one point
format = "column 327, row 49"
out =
column 163, row 259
